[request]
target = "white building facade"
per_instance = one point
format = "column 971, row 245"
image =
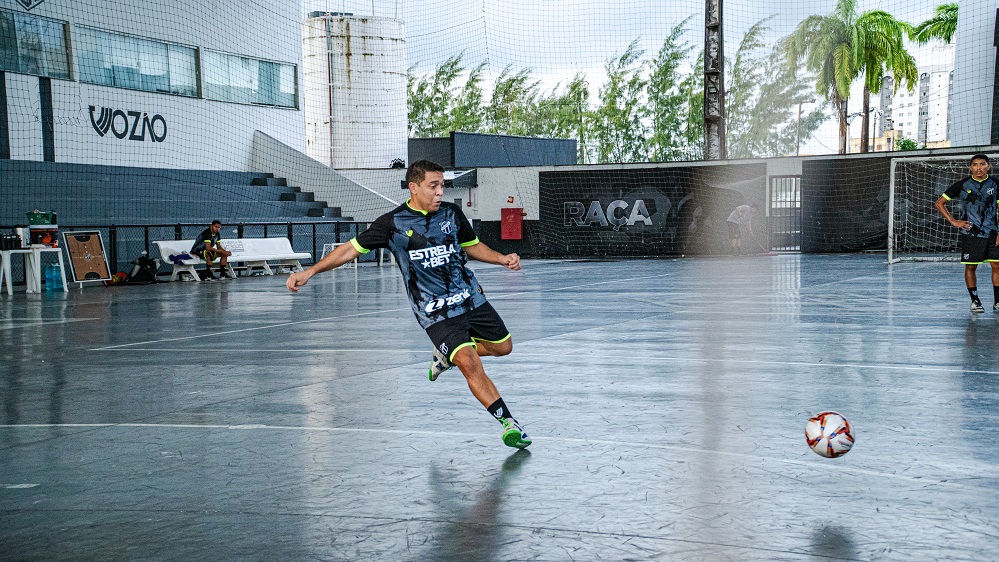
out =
column 151, row 83
column 924, row 114
column 975, row 73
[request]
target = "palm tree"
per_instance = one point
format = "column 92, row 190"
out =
column 826, row 45
column 841, row 46
column 879, row 45
column 941, row 26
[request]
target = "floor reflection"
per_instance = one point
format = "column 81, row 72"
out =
column 476, row 531
column 834, row 542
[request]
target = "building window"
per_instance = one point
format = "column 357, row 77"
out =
column 246, row 80
column 110, row 59
column 33, row 45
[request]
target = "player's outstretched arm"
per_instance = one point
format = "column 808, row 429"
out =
column 483, row 253
column 339, row 256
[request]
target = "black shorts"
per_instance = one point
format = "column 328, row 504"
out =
column 208, row 255
column 975, row 250
column 482, row 323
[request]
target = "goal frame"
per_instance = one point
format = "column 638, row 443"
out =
column 896, row 256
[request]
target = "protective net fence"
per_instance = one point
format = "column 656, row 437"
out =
column 272, row 112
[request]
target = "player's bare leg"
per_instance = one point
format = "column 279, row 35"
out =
column 995, row 285
column 483, row 348
column 499, row 349
column 970, row 279
column 482, row 387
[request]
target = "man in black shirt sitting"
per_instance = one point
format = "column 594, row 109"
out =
column 207, row 247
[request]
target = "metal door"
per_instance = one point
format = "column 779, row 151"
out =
column 784, row 213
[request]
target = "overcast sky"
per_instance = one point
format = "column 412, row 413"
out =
column 558, row 38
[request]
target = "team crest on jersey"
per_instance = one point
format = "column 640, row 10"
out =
column 443, row 348
column 446, row 227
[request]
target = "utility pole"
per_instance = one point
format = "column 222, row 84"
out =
column 714, row 83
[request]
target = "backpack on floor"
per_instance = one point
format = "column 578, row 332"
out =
column 144, row 270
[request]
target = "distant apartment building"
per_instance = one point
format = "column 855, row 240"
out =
column 924, row 114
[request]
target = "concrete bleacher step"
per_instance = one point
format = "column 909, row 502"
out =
column 297, row 196
column 95, row 195
column 269, row 181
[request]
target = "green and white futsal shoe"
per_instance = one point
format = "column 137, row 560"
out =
column 513, row 434
column 438, row 365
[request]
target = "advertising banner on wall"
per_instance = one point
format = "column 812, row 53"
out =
column 644, row 212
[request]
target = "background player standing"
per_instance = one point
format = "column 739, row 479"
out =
column 979, row 227
column 432, row 242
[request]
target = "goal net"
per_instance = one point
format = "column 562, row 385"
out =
column 916, row 231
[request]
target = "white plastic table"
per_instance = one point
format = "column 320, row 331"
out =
column 32, row 267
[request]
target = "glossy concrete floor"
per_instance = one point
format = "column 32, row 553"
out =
column 666, row 399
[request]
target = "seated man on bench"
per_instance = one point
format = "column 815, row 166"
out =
column 207, row 247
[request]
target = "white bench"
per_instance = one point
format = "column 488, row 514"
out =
column 169, row 248
column 252, row 252
column 265, row 252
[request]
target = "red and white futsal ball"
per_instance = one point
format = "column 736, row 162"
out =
column 829, row 434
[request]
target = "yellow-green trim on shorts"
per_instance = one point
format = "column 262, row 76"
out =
column 466, row 344
column 501, row 340
column 357, row 246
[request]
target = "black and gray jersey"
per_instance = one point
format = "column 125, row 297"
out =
column 979, row 201
column 429, row 250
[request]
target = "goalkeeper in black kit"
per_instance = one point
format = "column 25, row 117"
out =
column 979, row 229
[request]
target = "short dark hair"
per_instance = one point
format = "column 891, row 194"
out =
column 418, row 170
column 979, row 157
column 218, row 222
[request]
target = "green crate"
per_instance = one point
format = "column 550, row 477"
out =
column 39, row 217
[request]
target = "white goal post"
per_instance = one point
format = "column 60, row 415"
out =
column 916, row 231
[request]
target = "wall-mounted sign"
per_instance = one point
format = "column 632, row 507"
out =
column 131, row 124
column 29, row 4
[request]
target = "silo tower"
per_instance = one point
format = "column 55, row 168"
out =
column 354, row 93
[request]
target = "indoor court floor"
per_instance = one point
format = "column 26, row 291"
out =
column 667, row 401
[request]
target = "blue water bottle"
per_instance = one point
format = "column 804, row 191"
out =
column 53, row 277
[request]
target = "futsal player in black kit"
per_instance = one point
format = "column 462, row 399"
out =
column 979, row 194
column 432, row 241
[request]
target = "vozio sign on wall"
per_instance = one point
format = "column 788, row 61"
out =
column 131, row 125
column 29, row 4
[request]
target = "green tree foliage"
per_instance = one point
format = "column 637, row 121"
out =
column 941, row 26
column 668, row 92
column 906, row 144
column 437, row 104
column 619, row 124
column 511, row 109
column 879, row 45
column 692, row 88
column 842, row 46
column 825, row 44
column 762, row 100
column 563, row 113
